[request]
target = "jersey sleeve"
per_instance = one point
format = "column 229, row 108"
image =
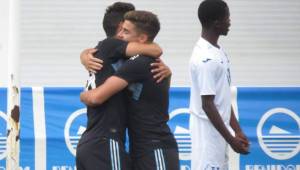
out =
column 207, row 78
column 135, row 69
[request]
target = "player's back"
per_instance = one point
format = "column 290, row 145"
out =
column 106, row 119
column 148, row 108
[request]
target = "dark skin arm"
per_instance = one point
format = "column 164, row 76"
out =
column 213, row 115
column 237, row 129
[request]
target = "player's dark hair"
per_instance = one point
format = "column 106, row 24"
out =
column 114, row 15
column 145, row 22
column 210, row 11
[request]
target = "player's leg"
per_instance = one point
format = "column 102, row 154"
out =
column 171, row 158
column 197, row 143
column 158, row 159
column 146, row 162
column 79, row 165
column 102, row 153
column 214, row 148
column 92, row 154
column 119, row 158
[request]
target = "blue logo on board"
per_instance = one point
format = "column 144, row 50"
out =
column 3, row 120
column 74, row 128
column 278, row 133
column 181, row 132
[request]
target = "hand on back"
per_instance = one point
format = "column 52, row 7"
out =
column 160, row 70
column 90, row 62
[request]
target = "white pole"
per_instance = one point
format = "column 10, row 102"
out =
column 13, row 99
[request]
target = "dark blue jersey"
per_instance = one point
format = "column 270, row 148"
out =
column 148, row 107
column 108, row 119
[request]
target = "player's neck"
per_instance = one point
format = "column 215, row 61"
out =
column 211, row 37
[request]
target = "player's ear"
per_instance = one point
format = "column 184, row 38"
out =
column 143, row 38
column 216, row 23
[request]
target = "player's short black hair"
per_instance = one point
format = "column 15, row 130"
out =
column 114, row 15
column 145, row 22
column 211, row 10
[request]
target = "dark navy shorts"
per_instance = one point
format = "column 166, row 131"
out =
column 102, row 153
column 158, row 159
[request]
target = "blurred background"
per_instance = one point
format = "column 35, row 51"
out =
column 263, row 42
column 263, row 45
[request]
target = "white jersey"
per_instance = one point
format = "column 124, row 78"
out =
column 210, row 75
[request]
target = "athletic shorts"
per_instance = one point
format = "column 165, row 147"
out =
column 158, row 159
column 209, row 149
column 102, row 153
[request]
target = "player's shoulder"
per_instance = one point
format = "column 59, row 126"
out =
column 111, row 40
column 141, row 58
column 204, row 57
column 110, row 43
column 99, row 44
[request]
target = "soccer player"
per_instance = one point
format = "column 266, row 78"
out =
column 102, row 144
column 210, row 102
column 152, row 145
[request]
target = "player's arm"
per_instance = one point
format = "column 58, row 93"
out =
column 94, row 64
column 148, row 49
column 90, row 62
column 130, row 72
column 160, row 70
column 213, row 115
column 237, row 129
column 100, row 94
column 207, row 72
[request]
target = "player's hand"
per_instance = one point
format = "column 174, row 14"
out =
column 238, row 145
column 91, row 63
column 83, row 97
column 243, row 137
column 160, row 70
